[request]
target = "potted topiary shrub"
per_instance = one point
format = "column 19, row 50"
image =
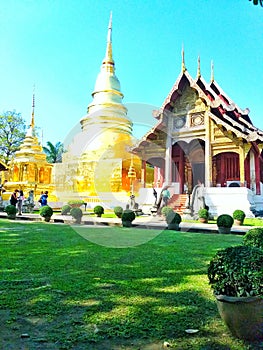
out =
column 11, row 211
column 118, row 211
column 239, row 217
column 254, row 237
column 224, row 223
column 236, row 276
column 46, row 212
column 203, row 215
column 77, row 214
column 166, row 210
column 172, row 218
column 127, row 218
column 65, row 210
column 76, row 203
column 98, row 210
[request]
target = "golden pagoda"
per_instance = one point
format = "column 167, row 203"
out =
column 97, row 159
column 29, row 170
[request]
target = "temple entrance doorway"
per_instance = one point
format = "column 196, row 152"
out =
column 198, row 173
column 197, row 161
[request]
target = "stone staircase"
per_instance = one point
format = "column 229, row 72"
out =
column 178, row 202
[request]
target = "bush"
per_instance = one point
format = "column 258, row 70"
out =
column 118, row 211
column 77, row 214
column 10, row 210
column 76, row 202
column 98, row 210
column 254, row 238
column 239, row 215
column 203, row 213
column 46, row 211
column 65, row 209
column 173, row 218
column 225, row 220
column 128, row 215
column 237, row 271
column 166, row 210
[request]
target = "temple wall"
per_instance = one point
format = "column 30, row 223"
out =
column 225, row 200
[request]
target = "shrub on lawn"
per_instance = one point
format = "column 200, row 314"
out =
column 127, row 217
column 77, row 214
column 254, row 237
column 118, row 211
column 46, row 212
column 225, row 220
column 10, row 211
column 65, row 209
column 98, row 210
column 239, row 215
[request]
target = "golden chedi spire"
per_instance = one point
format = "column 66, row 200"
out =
column 30, row 145
column 198, row 68
column 107, row 109
column 31, row 129
column 108, row 62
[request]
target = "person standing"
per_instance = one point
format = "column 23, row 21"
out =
column 13, row 198
column 155, row 195
column 43, row 198
column 166, row 196
column 20, row 200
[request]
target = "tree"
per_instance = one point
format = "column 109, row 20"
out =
column 12, row 133
column 257, row 2
column 54, row 152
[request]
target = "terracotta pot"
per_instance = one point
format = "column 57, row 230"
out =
column 238, row 222
column 203, row 220
column 243, row 316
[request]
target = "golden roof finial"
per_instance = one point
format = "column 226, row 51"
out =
column 212, row 72
column 108, row 61
column 32, row 124
column 183, row 64
column 198, row 68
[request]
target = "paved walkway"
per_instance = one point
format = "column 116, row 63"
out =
column 144, row 221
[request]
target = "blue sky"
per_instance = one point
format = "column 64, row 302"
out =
column 58, row 45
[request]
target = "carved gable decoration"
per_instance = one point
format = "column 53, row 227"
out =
column 186, row 101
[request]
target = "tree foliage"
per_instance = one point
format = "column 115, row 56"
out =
column 257, row 2
column 54, row 152
column 12, row 133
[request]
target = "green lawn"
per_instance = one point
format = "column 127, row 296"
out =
column 63, row 291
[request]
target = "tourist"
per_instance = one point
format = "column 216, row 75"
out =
column 13, row 198
column 20, row 200
column 43, row 198
column 155, row 195
column 166, row 196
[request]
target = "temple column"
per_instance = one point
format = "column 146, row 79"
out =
column 257, row 174
column 143, row 173
column 208, row 154
column 242, row 166
column 168, row 160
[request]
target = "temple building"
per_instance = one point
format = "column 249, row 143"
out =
column 202, row 136
column 29, row 169
column 97, row 161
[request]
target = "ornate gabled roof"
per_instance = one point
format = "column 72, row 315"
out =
column 222, row 109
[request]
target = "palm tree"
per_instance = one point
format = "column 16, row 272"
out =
column 54, row 152
column 256, row 2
